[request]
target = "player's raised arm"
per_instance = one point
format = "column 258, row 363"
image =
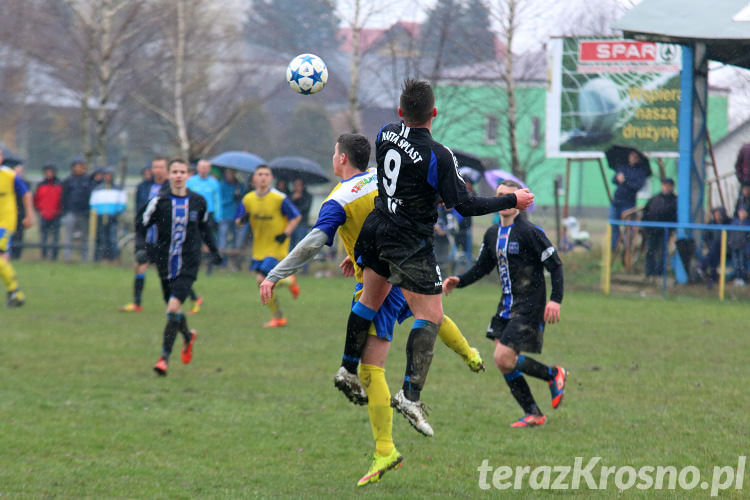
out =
column 481, row 205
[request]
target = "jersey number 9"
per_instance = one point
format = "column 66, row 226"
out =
column 391, row 168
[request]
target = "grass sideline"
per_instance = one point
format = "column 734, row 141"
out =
column 255, row 415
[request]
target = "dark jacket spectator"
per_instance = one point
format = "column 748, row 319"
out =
column 143, row 190
column 660, row 208
column 75, row 205
column 663, row 206
column 743, row 200
column 627, row 188
column 76, row 192
column 742, row 165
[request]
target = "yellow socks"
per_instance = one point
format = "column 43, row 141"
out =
column 379, row 407
column 273, row 306
column 8, row 275
column 288, row 281
column 453, row 338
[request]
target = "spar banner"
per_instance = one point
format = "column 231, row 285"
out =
column 606, row 90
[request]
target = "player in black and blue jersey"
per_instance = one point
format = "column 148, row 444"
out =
column 395, row 246
column 159, row 184
column 181, row 221
column 520, row 251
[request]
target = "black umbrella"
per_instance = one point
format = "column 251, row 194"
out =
column 468, row 160
column 297, row 167
column 617, row 157
column 10, row 159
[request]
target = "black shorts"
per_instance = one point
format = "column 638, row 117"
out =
column 405, row 258
column 151, row 251
column 522, row 333
column 177, row 287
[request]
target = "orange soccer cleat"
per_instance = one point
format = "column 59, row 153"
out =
column 275, row 322
column 557, row 386
column 161, row 367
column 187, row 350
column 530, row 420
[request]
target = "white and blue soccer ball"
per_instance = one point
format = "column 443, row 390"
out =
column 307, row 74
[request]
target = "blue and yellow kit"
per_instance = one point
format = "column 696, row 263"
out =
column 269, row 215
column 12, row 188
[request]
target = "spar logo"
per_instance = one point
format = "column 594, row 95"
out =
column 594, row 51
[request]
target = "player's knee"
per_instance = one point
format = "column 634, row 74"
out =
column 505, row 360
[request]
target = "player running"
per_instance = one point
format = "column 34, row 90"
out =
column 11, row 188
column 180, row 218
column 160, row 183
column 395, row 244
column 520, row 251
column 344, row 211
column 273, row 217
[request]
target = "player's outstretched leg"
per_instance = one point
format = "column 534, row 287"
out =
column 451, row 336
column 170, row 334
column 357, row 328
column 386, row 456
column 189, row 337
column 555, row 376
column 506, row 359
column 14, row 297
column 291, row 282
column 419, row 350
column 277, row 317
column 138, row 284
column 197, row 302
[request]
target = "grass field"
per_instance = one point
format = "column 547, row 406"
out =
column 652, row 382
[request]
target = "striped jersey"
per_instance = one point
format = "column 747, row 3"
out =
column 520, row 252
column 182, row 227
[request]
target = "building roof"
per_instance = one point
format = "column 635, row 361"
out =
column 724, row 26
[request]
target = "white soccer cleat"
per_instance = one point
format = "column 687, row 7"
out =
column 414, row 411
column 351, row 386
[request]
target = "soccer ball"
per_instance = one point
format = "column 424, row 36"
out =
column 307, row 74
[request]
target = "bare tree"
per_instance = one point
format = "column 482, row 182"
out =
column 357, row 15
column 86, row 46
column 107, row 29
column 197, row 85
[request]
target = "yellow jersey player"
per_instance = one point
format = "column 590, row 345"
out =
column 11, row 189
column 272, row 217
column 344, row 211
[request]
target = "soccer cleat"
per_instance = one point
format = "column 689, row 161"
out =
column 530, row 420
column 275, row 322
column 294, row 288
column 161, row 367
column 350, row 385
column 130, row 308
column 475, row 362
column 187, row 350
column 16, row 298
column 414, row 411
column 197, row 305
column 381, row 465
column 557, row 386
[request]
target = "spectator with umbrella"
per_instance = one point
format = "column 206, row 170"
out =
column 631, row 171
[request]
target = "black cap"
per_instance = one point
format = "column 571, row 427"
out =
column 667, row 180
column 50, row 166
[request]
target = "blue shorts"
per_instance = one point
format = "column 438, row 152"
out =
column 263, row 266
column 394, row 309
